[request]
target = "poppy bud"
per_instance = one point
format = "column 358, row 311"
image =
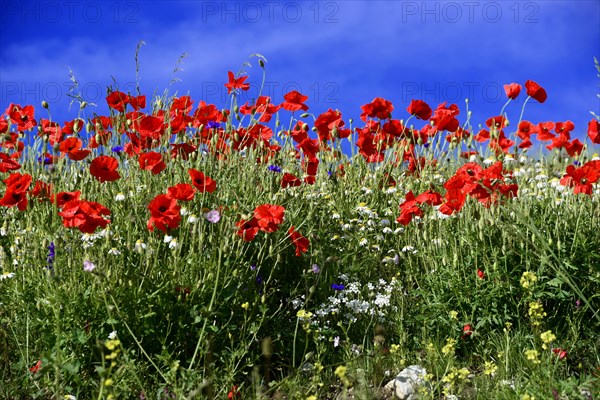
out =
column 82, row 105
column 88, row 127
column 56, row 147
column 261, row 63
column 236, row 109
column 128, row 122
column 45, row 104
column 304, row 115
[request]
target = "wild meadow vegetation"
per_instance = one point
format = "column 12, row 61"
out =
column 173, row 250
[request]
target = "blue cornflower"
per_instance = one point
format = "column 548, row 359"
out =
column 213, row 124
column 274, row 168
column 51, row 254
column 45, row 159
column 337, row 286
column 117, row 149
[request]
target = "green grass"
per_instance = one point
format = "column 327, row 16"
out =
column 195, row 316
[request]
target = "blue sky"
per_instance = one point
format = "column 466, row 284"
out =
column 342, row 54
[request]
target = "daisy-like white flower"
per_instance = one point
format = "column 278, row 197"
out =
column 114, row 251
column 192, row 218
column 173, row 243
column 112, row 335
column 119, row 197
column 140, row 246
column 6, row 275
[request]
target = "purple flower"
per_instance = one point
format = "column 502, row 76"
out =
column 117, row 149
column 213, row 216
column 88, row 266
column 274, row 168
column 337, row 286
column 315, row 269
column 213, row 124
column 50, row 258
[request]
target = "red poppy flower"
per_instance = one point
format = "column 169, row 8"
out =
column 51, row 130
column 393, row 128
column 329, row 122
column 290, row 180
column 498, row 122
column 512, row 90
column 63, row 197
column 164, row 213
column 182, row 191
column 152, row 161
column 42, row 191
column 536, row 91
column 87, row 216
column 526, row 129
column 480, row 274
column 117, row 101
column 73, row 127
column 104, row 168
column 72, row 148
column 444, row 118
column 247, row 230
column 13, row 198
column 581, row 178
column 182, row 150
column 233, row 393
column 467, row 331
column 235, row 84
column 574, row 147
column 150, row 126
column 429, row 197
column 409, row 209
column 420, row 109
column 594, row 131
column 269, row 217
column 202, row 182
column 206, row 113
column 378, row 108
column 299, row 241
column 544, row 131
column 22, row 116
column 560, row 353
column 137, row 102
column 7, row 163
column 182, row 105
column 36, row 367
column 294, row 101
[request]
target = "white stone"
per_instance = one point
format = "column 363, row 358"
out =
column 406, row 385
